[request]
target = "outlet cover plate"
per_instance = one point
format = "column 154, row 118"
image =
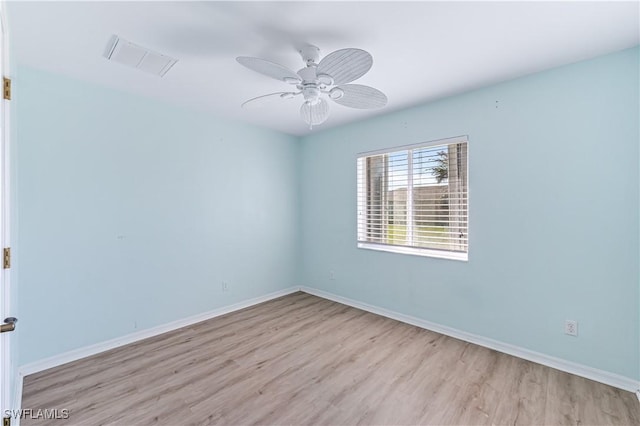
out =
column 571, row 327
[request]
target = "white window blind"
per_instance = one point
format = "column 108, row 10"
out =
column 413, row 199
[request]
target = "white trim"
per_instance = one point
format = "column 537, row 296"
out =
column 416, row 251
column 591, row 373
column 638, row 394
column 436, row 142
column 76, row 354
column 7, row 366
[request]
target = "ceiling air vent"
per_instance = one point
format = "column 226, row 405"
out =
column 125, row 52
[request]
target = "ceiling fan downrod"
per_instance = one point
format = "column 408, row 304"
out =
column 310, row 55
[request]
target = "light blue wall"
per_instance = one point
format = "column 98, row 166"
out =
column 553, row 181
column 131, row 213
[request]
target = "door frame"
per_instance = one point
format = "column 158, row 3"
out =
column 9, row 377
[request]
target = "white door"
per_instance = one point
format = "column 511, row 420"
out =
column 6, row 310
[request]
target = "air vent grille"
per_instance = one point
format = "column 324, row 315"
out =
column 127, row 53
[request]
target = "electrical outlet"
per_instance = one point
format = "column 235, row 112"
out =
column 571, row 327
column 225, row 286
column 332, row 275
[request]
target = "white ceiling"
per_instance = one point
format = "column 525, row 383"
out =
column 422, row 50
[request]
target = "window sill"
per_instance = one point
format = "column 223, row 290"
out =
column 440, row 254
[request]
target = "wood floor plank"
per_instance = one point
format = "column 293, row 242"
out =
column 305, row 360
column 523, row 399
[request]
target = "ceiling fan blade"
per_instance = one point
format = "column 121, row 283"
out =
column 345, row 65
column 263, row 100
column 316, row 113
column 362, row 97
column 270, row 69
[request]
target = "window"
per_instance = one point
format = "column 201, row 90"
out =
column 413, row 199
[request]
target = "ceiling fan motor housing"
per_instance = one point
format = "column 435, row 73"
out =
column 310, row 84
column 308, row 75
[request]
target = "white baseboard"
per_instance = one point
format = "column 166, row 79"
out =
column 591, row 373
column 86, row 351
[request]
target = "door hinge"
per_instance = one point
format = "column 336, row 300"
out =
column 6, row 421
column 6, row 88
column 6, row 258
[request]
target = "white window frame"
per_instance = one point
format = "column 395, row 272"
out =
column 361, row 204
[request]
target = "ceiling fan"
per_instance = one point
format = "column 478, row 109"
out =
column 328, row 77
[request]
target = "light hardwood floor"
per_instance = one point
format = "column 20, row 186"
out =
column 301, row 360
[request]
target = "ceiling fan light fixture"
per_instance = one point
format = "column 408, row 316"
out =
column 311, row 93
column 315, row 113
